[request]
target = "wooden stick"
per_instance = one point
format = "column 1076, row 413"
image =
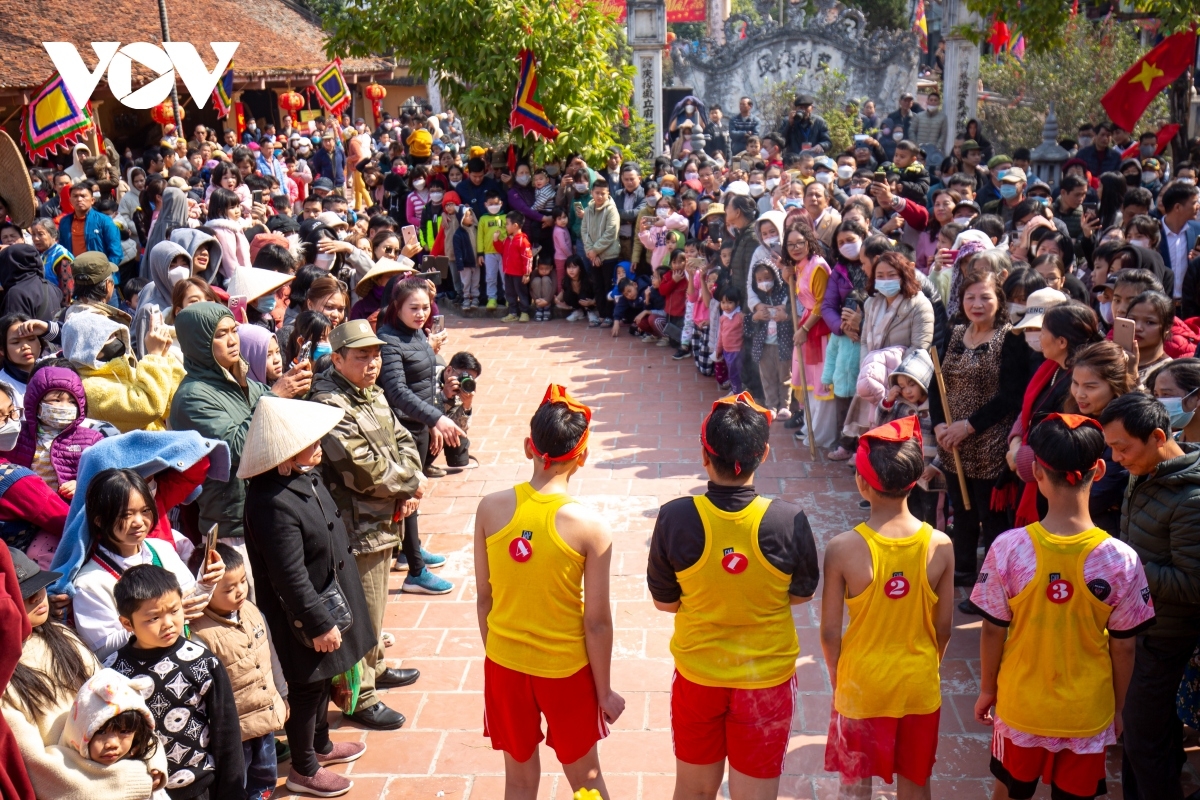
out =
column 941, row 382
column 808, row 418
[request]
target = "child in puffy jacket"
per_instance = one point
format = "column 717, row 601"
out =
column 53, row 437
column 663, row 235
column 907, row 396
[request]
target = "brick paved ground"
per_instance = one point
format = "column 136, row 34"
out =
column 644, row 451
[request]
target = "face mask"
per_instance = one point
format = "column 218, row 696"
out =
column 324, row 260
column 1016, row 311
column 113, row 348
column 1085, row 141
column 1008, row 191
column 888, row 288
column 37, row 185
column 962, row 220
column 691, row 176
column 1140, row 242
column 322, row 349
column 494, row 208
column 756, row 189
column 765, row 286
column 845, row 172
column 419, row 184
column 662, row 213
column 1106, row 312
column 825, row 178
column 1147, row 150
column 523, row 180
column 57, row 416
column 1174, row 407
column 9, row 432
column 1188, row 181
column 1034, row 340
column 772, row 183
column 1149, row 177
column 850, row 250
column 792, row 202
column 1020, row 230
column 387, row 126
column 689, row 108
column 454, row 184
column 1043, row 201
column 898, row 136
column 771, row 241
column 668, row 191
column 551, row 170
column 581, row 188
column 855, row 191
column 436, row 197
column 265, row 304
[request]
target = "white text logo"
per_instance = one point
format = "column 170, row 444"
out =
column 178, row 57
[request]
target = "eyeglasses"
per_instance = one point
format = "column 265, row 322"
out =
column 13, row 413
column 797, row 245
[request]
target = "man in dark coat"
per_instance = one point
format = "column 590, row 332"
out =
column 804, row 131
column 26, row 290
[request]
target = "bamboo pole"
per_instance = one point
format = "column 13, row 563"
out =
column 941, row 382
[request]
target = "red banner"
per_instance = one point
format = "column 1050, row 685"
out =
column 677, row 10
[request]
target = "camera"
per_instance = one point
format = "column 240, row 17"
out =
column 466, row 383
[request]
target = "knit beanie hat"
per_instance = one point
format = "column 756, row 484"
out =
column 452, row 197
column 916, row 365
column 105, row 695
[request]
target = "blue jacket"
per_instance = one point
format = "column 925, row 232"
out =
column 475, row 196
column 1098, row 164
column 325, row 166
column 103, row 236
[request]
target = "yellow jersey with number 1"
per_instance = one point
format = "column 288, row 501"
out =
column 536, row 622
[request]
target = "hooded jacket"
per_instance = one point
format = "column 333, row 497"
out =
column 172, row 214
column 158, row 291
column 128, row 393
column 26, row 290
column 255, row 344
column 68, row 446
column 191, row 239
column 371, row 461
column 211, row 401
column 235, row 249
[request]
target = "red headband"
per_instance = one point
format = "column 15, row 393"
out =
column 558, row 394
column 900, row 430
column 746, row 399
column 1072, row 421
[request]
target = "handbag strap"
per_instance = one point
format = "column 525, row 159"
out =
column 332, row 564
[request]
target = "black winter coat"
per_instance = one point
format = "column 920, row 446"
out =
column 409, row 375
column 26, row 290
column 293, row 531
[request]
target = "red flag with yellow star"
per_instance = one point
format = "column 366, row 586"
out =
column 1127, row 99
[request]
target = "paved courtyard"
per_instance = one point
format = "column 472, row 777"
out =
column 644, row 451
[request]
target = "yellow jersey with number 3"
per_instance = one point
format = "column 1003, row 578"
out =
column 536, row 622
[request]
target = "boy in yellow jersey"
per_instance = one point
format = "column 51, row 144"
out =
column 1061, row 603
column 548, row 642
column 730, row 565
column 896, row 575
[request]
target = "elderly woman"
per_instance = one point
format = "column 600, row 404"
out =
column 896, row 315
column 309, row 589
column 985, row 369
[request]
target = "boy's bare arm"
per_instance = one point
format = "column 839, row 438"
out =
column 941, row 565
column 1121, row 652
column 493, row 513
column 991, row 650
column 832, row 602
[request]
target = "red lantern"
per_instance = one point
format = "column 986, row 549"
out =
column 164, row 113
column 375, row 93
column 291, row 101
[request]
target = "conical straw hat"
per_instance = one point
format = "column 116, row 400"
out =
column 252, row 282
column 282, row 428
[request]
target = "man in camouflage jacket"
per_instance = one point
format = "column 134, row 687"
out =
column 373, row 470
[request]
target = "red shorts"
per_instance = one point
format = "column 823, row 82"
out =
column 750, row 726
column 883, row 747
column 1071, row 775
column 514, row 702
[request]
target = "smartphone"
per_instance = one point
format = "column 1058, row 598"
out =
column 410, row 235
column 305, row 354
column 879, row 177
column 439, row 324
column 237, row 307
column 210, row 544
column 1090, row 208
column 156, row 317
column 861, row 137
column 1123, row 333
column 257, row 196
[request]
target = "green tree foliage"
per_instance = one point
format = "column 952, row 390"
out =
column 774, row 102
column 1089, row 57
column 1043, row 21
column 471, row 46
column 885, row 14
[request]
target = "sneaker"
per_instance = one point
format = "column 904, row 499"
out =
column 524, row 317
column 724, row 387
column 594, row 322
column 324, row 784
column 491, row 303
column 783, row 413
column 427, row 583
column 606, row 322
column 648, row 337
column 512, row 318
column 342, row 753
column 432, row 560
column 434, row 471
column 575, row 316
column 663, row 342
column 680, row 354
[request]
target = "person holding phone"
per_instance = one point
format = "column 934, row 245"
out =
column 841, row 308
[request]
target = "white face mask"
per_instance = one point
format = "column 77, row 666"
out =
column 691, row 176
column 845, row 172
column 1149, row 177
column 689, row 109
column 1085, row 141
column 772, row 183
column 436, row 197
column 1015, row 312
column 855, row 191
column 771, row 241
column 898, row 136
column 662, row 213
column 825, row 177
column 581, row 188
column 419, row 184
column 1140, row 242
column 494, row 208
column 850, row 250
column 756, row 189
column 765, row 286
column 9, row 432
column 962, row 220
column 523, row 180
column 1106, row 312
column 56, row 416
column 1034, row 340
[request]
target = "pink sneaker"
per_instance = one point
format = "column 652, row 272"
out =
column 841, row 454
column 323, row 784
column 342, row 753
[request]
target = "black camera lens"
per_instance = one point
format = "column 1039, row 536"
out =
column 466, row 383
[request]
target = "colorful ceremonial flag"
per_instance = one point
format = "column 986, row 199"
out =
column 1128, row 98
column 53, row 119
column 223, row 94
column 527, row 113
column 920, row 27
column 332, row 92
column 1000, row 35
column 1018, row 48
column 239, row 120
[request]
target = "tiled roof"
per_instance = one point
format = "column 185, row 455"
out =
column 276, row 38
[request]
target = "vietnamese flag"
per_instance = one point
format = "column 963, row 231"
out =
column 1127, row 99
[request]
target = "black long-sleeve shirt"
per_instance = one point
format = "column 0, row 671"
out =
column 784, row 538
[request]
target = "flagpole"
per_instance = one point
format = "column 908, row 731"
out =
column 166, row 37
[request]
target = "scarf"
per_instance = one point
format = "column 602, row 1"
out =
column 1027, row 508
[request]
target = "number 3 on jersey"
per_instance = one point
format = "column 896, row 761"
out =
column 1059, row 591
